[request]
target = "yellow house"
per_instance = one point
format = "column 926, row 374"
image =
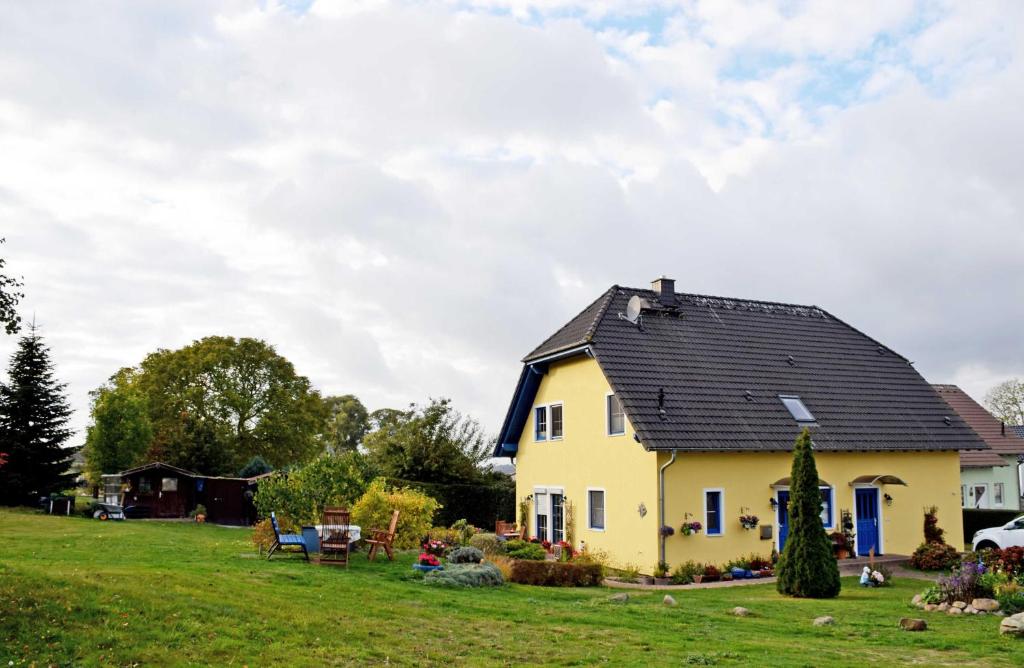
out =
column 655, row 409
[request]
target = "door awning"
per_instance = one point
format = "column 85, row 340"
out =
column 876, row 479
column 786, row 482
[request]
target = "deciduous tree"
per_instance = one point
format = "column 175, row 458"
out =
column 120, row 432
column 1006, row 401
column 347, row 423
column 10, row 295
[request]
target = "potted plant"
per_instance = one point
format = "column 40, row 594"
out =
column 199, row 513
column 749, row 522
column 690, row 528
column 428, row 562
column 711, row 573
column 661, row 574
column 839, row 544
column 667, row 531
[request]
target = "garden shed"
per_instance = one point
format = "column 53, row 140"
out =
column 163, row 491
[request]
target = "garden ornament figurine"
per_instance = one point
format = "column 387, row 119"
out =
column 865, row 577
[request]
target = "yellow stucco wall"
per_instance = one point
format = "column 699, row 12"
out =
column 932, row 478
column 587, row 457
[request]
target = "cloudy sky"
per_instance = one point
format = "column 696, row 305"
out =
column 405, row 197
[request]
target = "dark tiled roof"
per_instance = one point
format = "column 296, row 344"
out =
column 723, row 363
column 1017, row 429
column 577, row 331
column 1002, row 440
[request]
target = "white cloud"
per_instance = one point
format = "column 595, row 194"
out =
column 405, row 198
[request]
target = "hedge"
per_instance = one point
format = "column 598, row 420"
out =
column 556, row 574
column 975, row 520
column 481, row 504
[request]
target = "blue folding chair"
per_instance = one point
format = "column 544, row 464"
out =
column 281, row 540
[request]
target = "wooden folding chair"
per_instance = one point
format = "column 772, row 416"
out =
column 379, row 538
column 334, row 536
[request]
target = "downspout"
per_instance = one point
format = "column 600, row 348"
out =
column 661, row 500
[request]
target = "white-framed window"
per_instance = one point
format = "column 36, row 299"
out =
column 714, row 502
column 169, row 485
column 616, row 418
column 595, row 509
column 997, row 493
column 555, row 419
column 826, row 507
column 547, row 422
column 963, row 495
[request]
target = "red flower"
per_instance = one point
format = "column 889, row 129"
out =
column 427, row 559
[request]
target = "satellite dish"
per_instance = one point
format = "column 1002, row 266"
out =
column 633, row 308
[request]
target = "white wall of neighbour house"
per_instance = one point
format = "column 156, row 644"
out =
column 978, row 486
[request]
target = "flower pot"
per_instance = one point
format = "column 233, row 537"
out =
column 697, row 579
column 842, row 553
column 200, row 518
column 426, row 568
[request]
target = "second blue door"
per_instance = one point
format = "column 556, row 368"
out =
column 867, row 521
column 783, row 518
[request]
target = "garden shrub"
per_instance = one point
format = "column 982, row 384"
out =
column 685, row 572
column 466, row 575
column 1011, row 598
column 934, row 557
column 416, row 512
column 263, row 532
column 465, row 555
column 488, row 543
column 87, row 508
column 519, row 549
column 932, row 532
column 556, row 574
column 807, row 567
column 302, row 494
column 503, row 564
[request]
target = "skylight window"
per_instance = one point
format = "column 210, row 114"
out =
column 796, row 408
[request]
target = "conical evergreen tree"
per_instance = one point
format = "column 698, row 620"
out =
column 807, row 567
column 33, row 426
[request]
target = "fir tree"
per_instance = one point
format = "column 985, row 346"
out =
column 807, row 567
column 33, row 426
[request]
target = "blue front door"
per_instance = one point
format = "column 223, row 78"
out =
column 783, row 518
column 867, row 521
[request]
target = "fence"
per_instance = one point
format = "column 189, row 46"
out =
column 480, row 504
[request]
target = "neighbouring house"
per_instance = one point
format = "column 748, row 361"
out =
column 988, row 478
column 163, row 491
column 654, row 408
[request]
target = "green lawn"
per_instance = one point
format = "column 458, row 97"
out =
column 80, row 592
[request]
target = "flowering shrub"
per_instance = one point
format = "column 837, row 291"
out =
column 546, row 544
column 962, row 583
column 934, row 557
column 711, row 573
column 690, row 527
column 427, row 559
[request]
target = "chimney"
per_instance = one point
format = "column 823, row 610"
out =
column 665, row 289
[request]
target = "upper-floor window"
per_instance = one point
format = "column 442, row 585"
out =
column 616, row 418
column 547, row 422
column 540, row 423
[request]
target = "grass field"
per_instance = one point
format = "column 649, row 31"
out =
column 83, row 593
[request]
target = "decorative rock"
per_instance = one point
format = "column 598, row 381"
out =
column 943, row 607
column 917, row 600
column 619, row 598
column 911, row 624
column 668, row 600
column 1013, row 625
column 982, row 612
column 959, row 604
column 740, row 612
column 986, row 604
column 824, row 621
column 999, row 613
column 954, row 611
column 970, row 610
column 930, row 607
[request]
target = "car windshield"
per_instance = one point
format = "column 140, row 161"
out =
column 1019, row 521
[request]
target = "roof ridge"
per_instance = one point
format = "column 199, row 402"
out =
column 733, row 299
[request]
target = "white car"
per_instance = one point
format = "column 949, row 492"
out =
column 1010, row 534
